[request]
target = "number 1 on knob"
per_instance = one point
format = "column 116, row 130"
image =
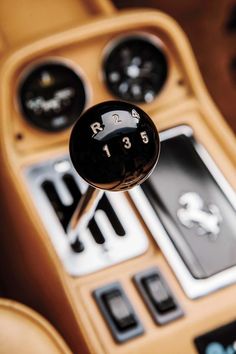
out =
column 107, row 151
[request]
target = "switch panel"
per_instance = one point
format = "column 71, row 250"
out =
column 158, row 297
column 118, row 312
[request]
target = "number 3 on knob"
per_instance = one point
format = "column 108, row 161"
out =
column 127, row 143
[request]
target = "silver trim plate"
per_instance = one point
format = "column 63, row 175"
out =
column 194, row 288
column 95, row 256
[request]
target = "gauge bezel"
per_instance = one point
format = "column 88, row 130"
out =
column 117, row 40
column 28, row 69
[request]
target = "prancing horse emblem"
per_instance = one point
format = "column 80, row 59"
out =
column 195, row 213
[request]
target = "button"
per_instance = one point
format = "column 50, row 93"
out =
column 118, row 312
column 121, row 312
column 158, row 297
column 158, row 294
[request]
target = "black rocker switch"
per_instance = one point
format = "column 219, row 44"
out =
column 157, row 295
column 118, row 312
column 119, row 309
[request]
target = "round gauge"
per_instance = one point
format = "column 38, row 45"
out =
column 135, row 69
column 52, row 96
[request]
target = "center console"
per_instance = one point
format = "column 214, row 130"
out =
column 153, row 270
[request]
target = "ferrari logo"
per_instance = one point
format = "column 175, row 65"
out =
column 194, row 213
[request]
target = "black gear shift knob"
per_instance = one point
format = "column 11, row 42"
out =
column 114, row 146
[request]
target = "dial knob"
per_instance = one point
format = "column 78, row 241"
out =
column 114, row 146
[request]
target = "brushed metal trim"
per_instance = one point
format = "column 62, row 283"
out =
column 94, row 257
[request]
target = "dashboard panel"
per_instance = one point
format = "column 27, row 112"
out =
column 92, row 72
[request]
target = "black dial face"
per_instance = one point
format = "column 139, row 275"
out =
column 135, row 70
column 114, row 146
column 52, row 96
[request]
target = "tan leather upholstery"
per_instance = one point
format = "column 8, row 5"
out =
column 23, row 331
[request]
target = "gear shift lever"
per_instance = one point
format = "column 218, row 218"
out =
column 114, row 146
